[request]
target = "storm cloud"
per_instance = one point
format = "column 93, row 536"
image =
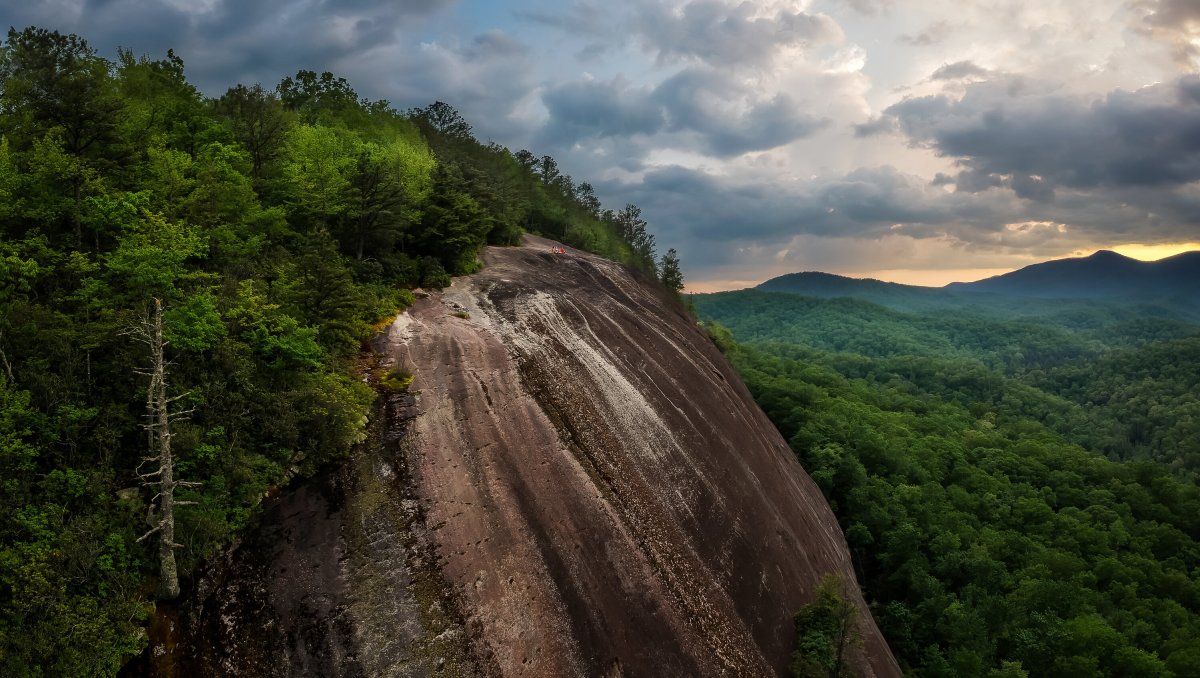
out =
column 744, row 128
column 1035, row 138
column 230, row 41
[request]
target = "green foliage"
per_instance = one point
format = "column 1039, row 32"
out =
column 319, row 161
column 455, row 226
column 278, row 228
column 669, row 271
column 151, row 257
column 259, row 124
column 195, row 325
column 1015, row 505
column 432, row 274
column 397, row 379
column 1108, row 377
column 826, row 630
column 720, row 335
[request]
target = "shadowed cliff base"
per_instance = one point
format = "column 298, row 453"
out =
column 337, row 577
column 575, row 483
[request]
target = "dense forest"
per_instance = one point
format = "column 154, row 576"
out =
column 1018, row 487
column 266, row 233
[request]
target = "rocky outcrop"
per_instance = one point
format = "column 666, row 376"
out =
column 605, row 495
column 576, row 483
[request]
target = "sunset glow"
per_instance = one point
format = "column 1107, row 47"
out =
column 1155, row 252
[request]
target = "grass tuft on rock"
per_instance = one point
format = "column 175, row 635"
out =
column 397, row 379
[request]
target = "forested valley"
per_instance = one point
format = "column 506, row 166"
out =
column 268, row 233
column 1017, row 480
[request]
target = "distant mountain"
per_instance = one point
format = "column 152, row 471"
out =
column 1169, row 284
column 892, row 295
column 815, row 284
column 1103, row 275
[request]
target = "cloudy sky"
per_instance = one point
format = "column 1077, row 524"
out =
column 912, row 140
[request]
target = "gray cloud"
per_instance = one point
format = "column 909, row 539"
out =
column 601, row 109
column 694, row 98
column 486, row 78
column 868, row 202
column 720, row 33
column 959, row 70
column 723, row 35
column 708, row 110
column 1045, row 139
column 229, row 41
column 882, row 124
column 1029, row 187
column 711, row 216
column 1174, row 22
column 581, row 18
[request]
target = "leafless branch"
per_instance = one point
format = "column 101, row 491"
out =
column 152, row 531
column 4, row 358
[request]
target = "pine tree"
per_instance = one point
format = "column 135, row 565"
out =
column 669, row 271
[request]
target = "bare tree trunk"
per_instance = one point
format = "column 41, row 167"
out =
column 4, row 359
column 158, row 432
column 168, row 585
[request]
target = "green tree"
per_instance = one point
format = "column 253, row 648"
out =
column 455, row 227
column 319, row 161
column 260, row 124
column 50, row 81
column 318, row 98
column 443, row 119
column 826, row 630
column 669, row 272
column 387, row 184
column 160, row 107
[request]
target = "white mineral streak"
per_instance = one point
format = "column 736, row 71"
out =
column 605, row 494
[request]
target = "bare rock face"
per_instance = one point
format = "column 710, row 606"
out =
column 575, row 484
column 337, row 577
column 603, row 493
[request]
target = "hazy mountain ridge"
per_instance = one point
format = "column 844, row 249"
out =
column 1168, row 288
column 1104, row 274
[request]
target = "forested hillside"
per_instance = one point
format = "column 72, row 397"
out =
column 275, row 227
column 1019, row 492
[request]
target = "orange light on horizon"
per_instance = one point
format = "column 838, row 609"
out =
column 930, row 278
column 710, row 286
column 941, row 277
column 1154, row 252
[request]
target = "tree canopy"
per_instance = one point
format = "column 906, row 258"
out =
column 1019, row 494
column 277, row 227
